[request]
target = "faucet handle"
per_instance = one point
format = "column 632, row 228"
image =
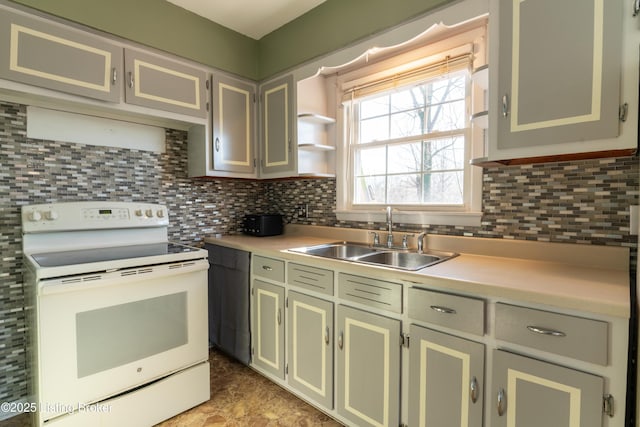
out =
column 376, row 238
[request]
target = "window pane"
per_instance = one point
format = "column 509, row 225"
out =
column 374, row 107
column 405, row 158
column 444, row 90
column 376, row 129
column 442, row 154
column 404, row 189
column 443, row 188
column 408, row 99
column 371, row 161
column 443, row 117
column 369, row 189
column 409, row 123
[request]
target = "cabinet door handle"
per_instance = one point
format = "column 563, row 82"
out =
column 326, row 336
column 289, row 145
column 266, row 267
column 217, row 144
column 545, row 331
column 636, row 7
column 340, row 340
column 114, row 75
column 505, row 105
column 502, row 404
column 473, row 388
column 444, row 310
column 130, row 79
column 279, row 317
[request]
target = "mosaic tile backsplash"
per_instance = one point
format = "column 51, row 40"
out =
column 584, row 202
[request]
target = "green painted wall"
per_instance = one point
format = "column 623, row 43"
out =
column 162, row 25
column 333, row 25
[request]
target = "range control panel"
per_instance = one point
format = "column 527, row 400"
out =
column 92, row 216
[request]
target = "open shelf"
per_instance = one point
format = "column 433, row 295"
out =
column 316, row 118
column 316, row 147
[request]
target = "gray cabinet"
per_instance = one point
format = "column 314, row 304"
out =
column 156, row 82
column 56, row 57
column 558, row 72
column 268, row 327
column 532, row 393
column 446, row 380
column 368, row 375
column 278, row 143
column 233, row 106
column 310, row 347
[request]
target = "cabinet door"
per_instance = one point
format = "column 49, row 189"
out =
column 559, row 71
column 310, row 347
column 368, row 368
column 268, row 327
column 44, row 54
column 446, row 378
column 278, row 119
column 532, row 393
column 233, row 118
column 163, row 84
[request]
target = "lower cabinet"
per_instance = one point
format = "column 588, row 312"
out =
column 531, row 393
column 368, row 368
column 268, row 327
column 310, row 347
column 446, row 379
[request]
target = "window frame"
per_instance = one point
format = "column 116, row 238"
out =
column 468, row 214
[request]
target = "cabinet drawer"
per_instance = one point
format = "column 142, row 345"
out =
column 576, row 337
column 268, row 268
column 312, row 278
column 372, row 292
column 452, row 311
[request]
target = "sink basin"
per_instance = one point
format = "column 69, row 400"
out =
column 343, row 250
column 377, row 256
column 404, row 260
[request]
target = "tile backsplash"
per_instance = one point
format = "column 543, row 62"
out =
column 584, row 202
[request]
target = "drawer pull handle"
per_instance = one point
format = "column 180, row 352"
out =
column 545, row 331
column 326, row 336
column 266, row 267
column 473, row 387
column 502, row 404
column 445, row 310
column 340, row 340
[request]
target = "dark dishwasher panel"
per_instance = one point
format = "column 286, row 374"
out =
column 229, row 301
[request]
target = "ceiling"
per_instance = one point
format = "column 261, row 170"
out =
column 253, row 18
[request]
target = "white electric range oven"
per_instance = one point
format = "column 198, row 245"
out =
column 119, row 318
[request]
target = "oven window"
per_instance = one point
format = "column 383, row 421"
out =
column 114, row 336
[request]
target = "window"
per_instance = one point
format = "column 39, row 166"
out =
column 409, row 144
column 406, row 134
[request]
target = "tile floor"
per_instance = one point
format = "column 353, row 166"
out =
column 239, row 397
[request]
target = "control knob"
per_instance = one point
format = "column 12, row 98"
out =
column 149, row 213
column 51, row 215
column 35, row 216
column 139, row 212
column 160, row 213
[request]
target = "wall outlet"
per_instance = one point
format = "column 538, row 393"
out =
column 303, row 211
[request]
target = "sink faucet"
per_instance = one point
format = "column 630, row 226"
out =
column 390, row 227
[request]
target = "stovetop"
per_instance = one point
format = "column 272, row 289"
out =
column 86, row 256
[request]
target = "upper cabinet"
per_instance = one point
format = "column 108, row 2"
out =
column 233, row 109
column 277, row 113
column 160, row 83
column 558, row 86
column 57, row 57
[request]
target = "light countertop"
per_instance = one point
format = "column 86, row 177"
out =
column 593, row 279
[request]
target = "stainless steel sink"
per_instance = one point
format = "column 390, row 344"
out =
column 405, row 260
column 362, row 253
column 340, row 250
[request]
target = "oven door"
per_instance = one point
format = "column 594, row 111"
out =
column 101, row 335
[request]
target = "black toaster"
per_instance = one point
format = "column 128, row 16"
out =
column 262, row 225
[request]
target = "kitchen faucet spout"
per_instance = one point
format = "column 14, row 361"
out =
column 390, row 227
